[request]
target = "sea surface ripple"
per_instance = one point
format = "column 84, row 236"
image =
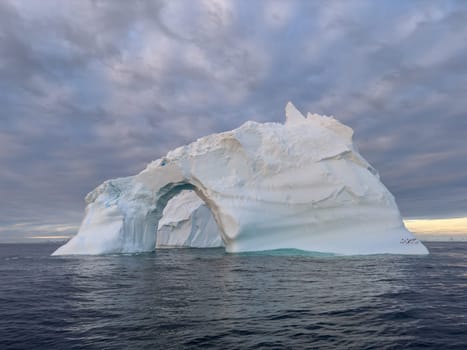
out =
column 205, row 298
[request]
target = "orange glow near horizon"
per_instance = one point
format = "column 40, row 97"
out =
column 455, row 226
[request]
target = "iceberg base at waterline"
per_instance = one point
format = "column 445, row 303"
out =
column 298, row 185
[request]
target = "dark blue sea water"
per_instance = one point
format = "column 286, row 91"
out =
column 205, row 298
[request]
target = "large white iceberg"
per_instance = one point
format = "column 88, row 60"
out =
column 298, row 185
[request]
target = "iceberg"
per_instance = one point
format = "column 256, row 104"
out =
column 297, row 185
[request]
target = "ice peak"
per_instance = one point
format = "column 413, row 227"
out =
column 292, row 114
column 332, row 124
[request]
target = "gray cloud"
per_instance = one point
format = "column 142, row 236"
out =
column 96, row 89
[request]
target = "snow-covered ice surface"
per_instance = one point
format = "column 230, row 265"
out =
column 299, row 185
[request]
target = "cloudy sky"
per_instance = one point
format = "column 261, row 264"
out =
column 91, row 90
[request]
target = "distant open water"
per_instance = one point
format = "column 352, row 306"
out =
column 205, row 298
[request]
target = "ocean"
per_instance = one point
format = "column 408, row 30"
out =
column 207, row 299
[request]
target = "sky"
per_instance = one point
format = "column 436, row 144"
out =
column 91, row 90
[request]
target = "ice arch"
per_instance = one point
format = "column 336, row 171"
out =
column 187, row 222
column 123, row 214
column 299, row 185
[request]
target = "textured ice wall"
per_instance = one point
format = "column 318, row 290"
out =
column 188, row 222
column 299, row 185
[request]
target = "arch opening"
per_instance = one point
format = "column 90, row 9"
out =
column 185, row 219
